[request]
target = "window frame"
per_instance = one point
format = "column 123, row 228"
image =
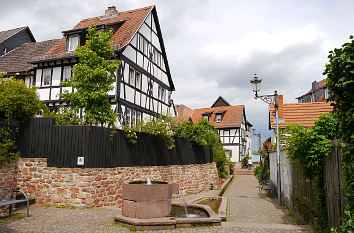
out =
column 44, row 80
column 70, row 42
column 65, row 78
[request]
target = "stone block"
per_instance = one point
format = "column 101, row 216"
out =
column 129, row 208
column 152, row 209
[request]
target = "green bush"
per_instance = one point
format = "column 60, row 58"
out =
column 18, row 102
column 8, row 148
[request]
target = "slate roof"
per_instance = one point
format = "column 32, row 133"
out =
column 4, row 35
column 232, row 116
column 304, row 114
column 18, row 59
column 132, row 21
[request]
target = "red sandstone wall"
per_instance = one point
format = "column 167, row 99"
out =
column 8, row 174
column 100, row 186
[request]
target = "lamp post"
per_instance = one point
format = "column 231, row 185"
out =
column 270, row 99
column 259, row 143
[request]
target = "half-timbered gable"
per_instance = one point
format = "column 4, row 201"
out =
column 232, row 126
column 143, row 84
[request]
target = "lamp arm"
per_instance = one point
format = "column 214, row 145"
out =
column 269, row 99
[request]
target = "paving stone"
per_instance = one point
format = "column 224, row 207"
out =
column 248, row 213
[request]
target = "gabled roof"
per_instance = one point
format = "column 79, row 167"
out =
column 132, row 21
column 232, row 116
column 304, row 114
column 4, row 35
column 220, row 102
column 18, row 59
column 321, row 84
column 183, row 112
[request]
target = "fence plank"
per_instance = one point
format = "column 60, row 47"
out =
column 61, row 145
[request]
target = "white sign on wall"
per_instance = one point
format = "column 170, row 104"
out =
column 80, row 161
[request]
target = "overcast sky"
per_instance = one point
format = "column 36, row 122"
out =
column 215, row 47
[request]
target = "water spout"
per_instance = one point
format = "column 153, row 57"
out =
column 148, row 181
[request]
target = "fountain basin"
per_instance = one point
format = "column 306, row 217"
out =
column 171, row 222
column 145, row 201
column 217, row 204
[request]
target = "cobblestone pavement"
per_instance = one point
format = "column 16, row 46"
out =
column 247, row 213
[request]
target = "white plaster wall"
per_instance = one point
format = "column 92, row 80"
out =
column 285, row 172
column 235, row 152
column 273, row 167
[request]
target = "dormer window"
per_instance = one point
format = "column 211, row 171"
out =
column 73, row 41
column 207, row 115
column 218, row 117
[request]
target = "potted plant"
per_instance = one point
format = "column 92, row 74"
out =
column 245, row 161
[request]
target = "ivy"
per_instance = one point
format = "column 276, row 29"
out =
column 201, row 133
column 308, row 147
column 340, row 82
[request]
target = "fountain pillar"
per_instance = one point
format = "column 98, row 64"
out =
column 142, row 200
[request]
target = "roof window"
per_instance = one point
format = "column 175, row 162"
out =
column 72, row 42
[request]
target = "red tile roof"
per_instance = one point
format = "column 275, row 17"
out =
column 132, row 22
column 183, row 112
column 231, row 118
column 304, row 114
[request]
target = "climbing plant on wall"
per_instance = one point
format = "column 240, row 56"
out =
column 340, row 82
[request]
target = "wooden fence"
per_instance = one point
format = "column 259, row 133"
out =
column 62, row 145
column 333, row 178
column 302, row 198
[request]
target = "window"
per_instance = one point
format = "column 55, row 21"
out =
column 326, row 93
column 138, row 80
column 218, row 118
column 73, row 42
column 66, row 73
column 133, row 117
column 150, row 88
column 138, row 117
column 228, row 153
column 47, row 73
column 127, row 117
column 206, row 117
column 131, row 76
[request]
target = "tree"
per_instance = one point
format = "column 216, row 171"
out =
column 340, row 82
column 18, row 102
column 94, row 76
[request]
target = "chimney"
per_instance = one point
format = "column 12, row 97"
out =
column 280, row 108
column 315, row 86
column 111, row 10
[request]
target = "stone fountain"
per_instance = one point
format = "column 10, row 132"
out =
column 148, row 199
column 147, row 205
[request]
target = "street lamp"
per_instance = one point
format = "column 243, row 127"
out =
column 270, row 99
column 259, row 143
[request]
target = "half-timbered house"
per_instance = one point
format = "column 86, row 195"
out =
column 143, row 85
column 232, row 125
